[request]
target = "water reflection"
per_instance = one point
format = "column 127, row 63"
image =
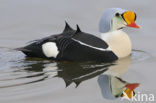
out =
column 79, row 72
column 110, row 83
column 21, row 71
column 70, row 72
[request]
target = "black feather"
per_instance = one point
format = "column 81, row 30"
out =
column 67, row 28
column 78, row 29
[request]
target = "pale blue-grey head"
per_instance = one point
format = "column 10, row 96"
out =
column 106, row 19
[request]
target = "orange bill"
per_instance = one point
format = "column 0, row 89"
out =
column 129, row 92
column 130, row 18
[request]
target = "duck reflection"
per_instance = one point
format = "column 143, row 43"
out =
column 109, row 80
column 112, row 85
column 79, row 72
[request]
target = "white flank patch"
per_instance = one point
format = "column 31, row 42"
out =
column 101, row 49
column 50, row 49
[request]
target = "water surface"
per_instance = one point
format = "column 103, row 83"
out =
column 34, row 80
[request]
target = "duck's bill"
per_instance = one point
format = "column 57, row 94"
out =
column 133, row 25
column 129, row 91
column 130, row 17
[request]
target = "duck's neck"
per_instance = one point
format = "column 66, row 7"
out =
column 119, row 42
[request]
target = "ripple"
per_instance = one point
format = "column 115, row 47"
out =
column 139, row 55
column 16, row 70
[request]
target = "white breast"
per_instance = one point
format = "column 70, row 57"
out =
column 50, row 49
column 119, row 42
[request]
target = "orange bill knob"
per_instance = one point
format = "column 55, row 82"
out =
column 130, row 18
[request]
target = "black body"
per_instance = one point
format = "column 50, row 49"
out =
column 70, row 46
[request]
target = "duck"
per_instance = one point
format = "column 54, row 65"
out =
column 76, row 45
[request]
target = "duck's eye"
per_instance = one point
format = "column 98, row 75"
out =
column 117, row 14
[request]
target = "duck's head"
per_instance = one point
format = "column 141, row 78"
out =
column 117, row 18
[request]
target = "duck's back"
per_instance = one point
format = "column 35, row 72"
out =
column 87, row 47
column 70, row 45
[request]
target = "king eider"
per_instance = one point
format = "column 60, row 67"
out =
column 75, row 45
